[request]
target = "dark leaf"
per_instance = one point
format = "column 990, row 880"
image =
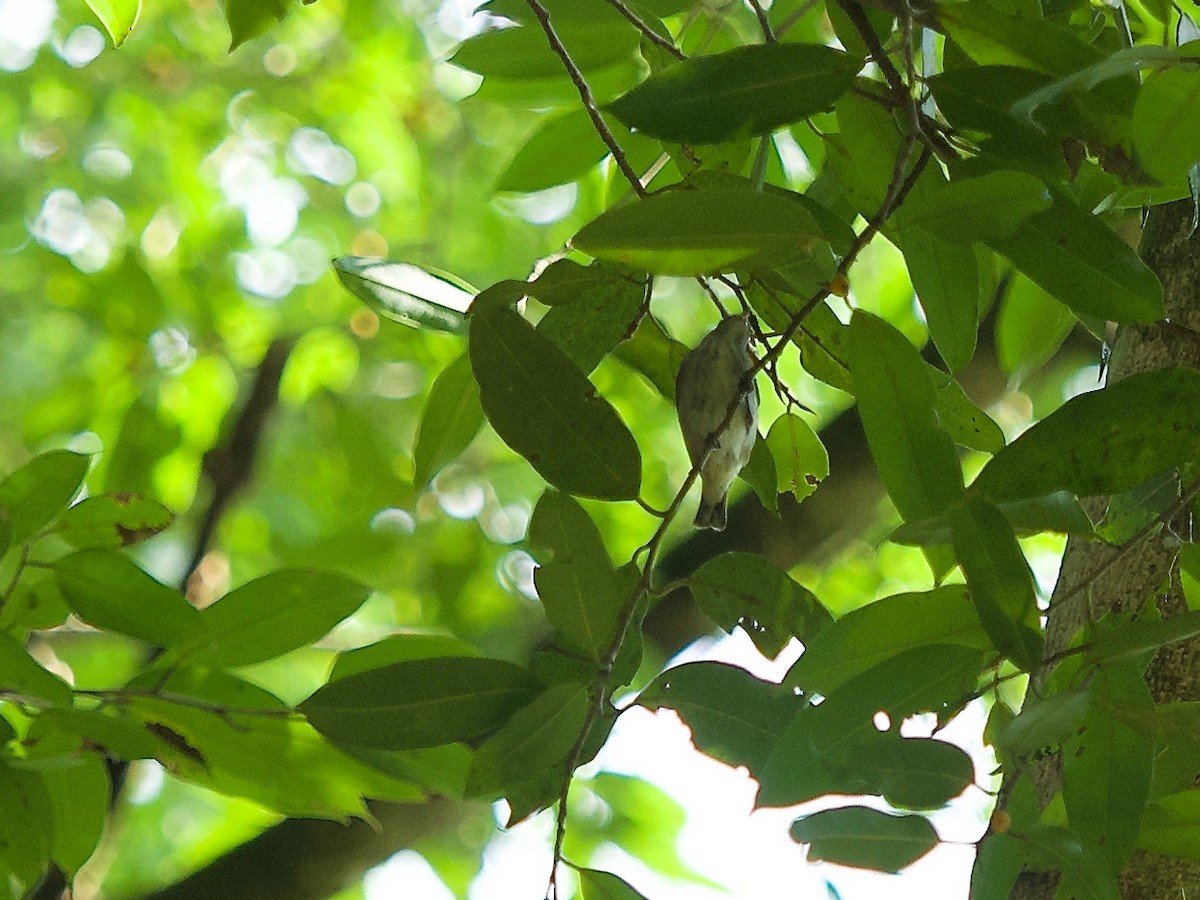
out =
column 865, row 838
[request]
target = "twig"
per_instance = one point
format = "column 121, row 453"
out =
column 858, row 18
column 763, row 22
column 585, row 95
column 790, row 22
column 650, row 34
column 1192, row 492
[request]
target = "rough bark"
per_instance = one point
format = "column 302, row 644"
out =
column 1147, row 570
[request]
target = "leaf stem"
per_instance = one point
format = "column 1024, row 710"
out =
column 649, row 33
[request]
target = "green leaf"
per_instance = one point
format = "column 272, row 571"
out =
column 936, row 678
column 1044, row 722
column 260, row 751
column 946, row 278
column 1171, row 826
column 413, row 295
column 597, row 885
column 271, row 615
column 884, row 629
column 865, row 838
column 117, row 16
column 40, row 491
column 451, row 420
column 914, row 773
column 801, row 461
column 398, row 648
column 420, row 703
column 1166, row 122
column 699, row 232
column 537, row 737
column 1107, row 767
column 1133, row 638
column 250, row 18
column 575, row 579
column 596, row 318
column 967, row 425
column 733, row 716
column 78, row 795
column 1102, row 442
column 543, row 407
column 997, row 866
column 991, row 35
column 108, row 590
column 562, row 149
column 26, row 827
column 1059, row 513
column 21, row 674
column 1083, row 875
column 760, row 474
column 999, row 580
column 897, row 401
column 653, row 355
column 1082, row 263
column 522, row 54
column 1030, row 327
column 112, row 521
column 565, row 281
column 746, row 91
column 986, row 207
column 745, row 589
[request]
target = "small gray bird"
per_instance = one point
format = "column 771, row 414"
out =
column 709, row 381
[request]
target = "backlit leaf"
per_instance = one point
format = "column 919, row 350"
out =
column 111, row 521
column 865, row 838
column 35, row 495
column 117, row 16
column 416, row 296
column 452, row 418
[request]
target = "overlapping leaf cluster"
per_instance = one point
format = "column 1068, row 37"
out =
column 996, row 153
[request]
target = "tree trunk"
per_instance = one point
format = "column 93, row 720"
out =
column 1148, row 570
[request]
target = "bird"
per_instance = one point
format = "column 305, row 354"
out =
column 711, row 380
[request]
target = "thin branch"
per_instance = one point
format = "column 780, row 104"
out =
column 790, row 22
column 858, row 18
column 649, row 33
column 763, row 22
column 585, row 95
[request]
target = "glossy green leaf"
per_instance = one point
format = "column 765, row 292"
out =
column 271, row 615
column 881, row 630
column 945, row 276
column 597, row 885
column 745, row 589
column 39, row 492
column 999, row 580
column 1166, row 124
column 750, row 90
column 699, row 232
column 537, row 737
column 1102, row 442
column 991, row 35
column 801, row 461
column 250, row 18
column 914, row 773
column 865, row 838
column 413, row 295
column 420, row 703
column 1083, row 264
column 896, row 400
column 78, row 795
column 112, row 521
column 117, row 16
column 561, row 150
column 575, row 580
column 733, row 716
column 1107, row 766
column 398, row 648
column 523, row 54
column 596, row 319
column 1030, row 326
column 20, row 674
column 108, row 590
column 986, row 207
column 452, row 418
column 547, row 411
